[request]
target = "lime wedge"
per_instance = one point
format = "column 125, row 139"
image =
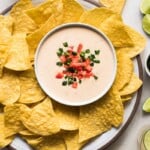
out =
column 146, row 140
column 145, row 6
column 146, row 106
column 146, row 23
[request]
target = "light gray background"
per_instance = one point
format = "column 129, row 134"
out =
column 128, row 140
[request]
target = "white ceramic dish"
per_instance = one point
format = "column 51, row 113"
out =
column 46, row 58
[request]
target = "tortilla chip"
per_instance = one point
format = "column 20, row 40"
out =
column 96, row 16
column 9, row 87
column 134, row 84
column 5, row 42
column 12, row 119
column 51, row 143
column 34, row 38
column 68, row 116
column 41, row 119
column 26, row 132
column 18, row 55
column 116, row 32
column 33, row 139
column 3, row 140
column 138, row 47
column 30, row 89
column 23, row 23
column 126, row 98
column 100, row 116
column 7, row 22
column 114, row 5
column 41, row 13
column 72, row 11
column 72, row 140
column 124, row 70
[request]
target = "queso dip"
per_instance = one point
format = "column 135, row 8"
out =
column 47, row 64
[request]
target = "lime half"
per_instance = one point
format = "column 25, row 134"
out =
column 146, row 140
column 146, row 106
column 145, row 6
column 146, row 23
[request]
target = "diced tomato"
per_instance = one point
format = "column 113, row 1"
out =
column 74, row 85
column 79, row 49
column 63, row 59
column 59, row 75
column 89, row 68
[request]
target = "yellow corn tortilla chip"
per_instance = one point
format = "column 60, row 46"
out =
column 7, row 22
column 98, row 117
column 26, row 132
column 41, row 13
column 41, row 119
column 96, row 16
column 72, row 11
column 32, row 139
column 134, row 84
column 3, row 140
column 126, row 98
column 68, row 117
column 116, row 32
column 34, row 38
column 124, row 70
column 12, row 119
column 114, row 5
column 72, row 140
column 139, row 42
column 22, row 23
column 18, row 55
column 9, row 87
column 30, row 89
column 51, row 143
column 5, row 42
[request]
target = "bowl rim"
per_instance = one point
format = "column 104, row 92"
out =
column 90, row 27
column 146, row 66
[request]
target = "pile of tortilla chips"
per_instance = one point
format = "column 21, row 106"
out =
column 25, row 110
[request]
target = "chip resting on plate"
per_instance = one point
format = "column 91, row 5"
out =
column 138, row 47
column 68, row 116
column 114, row 5
column 55, row 142
column 22, row 22
column 30, row 89
column 72, row 11
column 100, row 116
column 124, row 70
column 18, row 54
column 12, row 115
column 9, row 87
column 41, row 119
column 4, row 141
column 5, row 43
column 41, row 13
column 134, row 84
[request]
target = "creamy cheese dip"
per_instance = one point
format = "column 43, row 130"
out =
column 90, row 89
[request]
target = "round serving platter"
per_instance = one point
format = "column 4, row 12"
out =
column 105, row 140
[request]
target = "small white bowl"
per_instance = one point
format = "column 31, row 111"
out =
column 146, row 65
column 44, row 65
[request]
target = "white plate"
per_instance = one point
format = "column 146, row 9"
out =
column 106, row 139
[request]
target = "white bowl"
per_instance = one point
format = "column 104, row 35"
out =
column 146, row 65
column 45, row 66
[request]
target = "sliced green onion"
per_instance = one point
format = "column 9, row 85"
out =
column 97, row 52
column 87, row 51
column 65, row 44
column 95, row 77
column 64, row 83
column 59, row 63
column 96, row 61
